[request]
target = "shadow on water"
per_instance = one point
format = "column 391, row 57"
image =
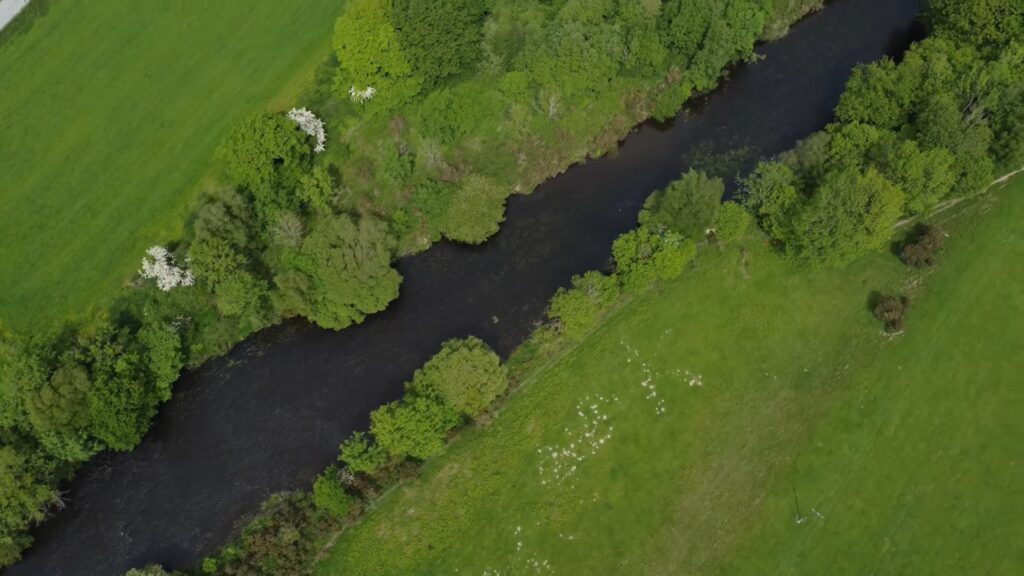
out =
column 270, row 415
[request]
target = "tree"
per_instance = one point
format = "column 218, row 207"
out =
column 266, row 155
column 329, row 494
column 440, row 38
column 477, row 210
column 163, row 356
column 687, row 206
column 362, row 455
column 317, row 189
column 149, row 570
column 877, row 94
column 645, row 256
column 732, row 222
column 413, row 427
column 59, row 413
column 23, row 501
column 373, row 63
column 990, row 24
column 341, row 273
column 850, row 213
column 466, row 375
column 578, row 309
column 770, row 192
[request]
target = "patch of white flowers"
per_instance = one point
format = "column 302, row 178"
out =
column 160, row 266
column 560, row 462
column 311, row 125
column 362, row 96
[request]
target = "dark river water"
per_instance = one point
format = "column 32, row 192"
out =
column 269, row 416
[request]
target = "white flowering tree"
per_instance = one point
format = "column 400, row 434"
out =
column 311, row 125
column 362, row 96
column 160, row 266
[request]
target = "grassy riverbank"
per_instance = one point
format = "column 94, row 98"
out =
column 769, row 379
column 111, row 115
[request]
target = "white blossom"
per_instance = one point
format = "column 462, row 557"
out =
column 163, row 269
column 362, row 96
column 311, row 125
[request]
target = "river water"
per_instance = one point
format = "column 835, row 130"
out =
column 269, row 416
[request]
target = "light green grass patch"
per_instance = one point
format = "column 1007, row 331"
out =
column 110, row 114
column 760, row 384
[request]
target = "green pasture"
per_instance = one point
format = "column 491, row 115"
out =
column 110, row 112
column 776, row 398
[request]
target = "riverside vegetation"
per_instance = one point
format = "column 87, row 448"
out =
column 436, row 112
column 572, row 471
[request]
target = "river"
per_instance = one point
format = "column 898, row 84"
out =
column 270, row 415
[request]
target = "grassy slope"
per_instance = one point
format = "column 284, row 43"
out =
column 904, row 445
column 110, row 117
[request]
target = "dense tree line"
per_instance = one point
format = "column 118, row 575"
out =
column 938, row 125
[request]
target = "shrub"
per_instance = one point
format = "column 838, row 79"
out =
column 477, row 210
column 579, row 308
column 466, row 375
column 922, row 251
column 413, row 427
column 892, row 310
column 644, row 256
column 329, row 494
column 361, row 455
column 282, row 541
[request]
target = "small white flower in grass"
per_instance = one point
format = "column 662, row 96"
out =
column 163, row 269
column 311, row 125
column 362, row 96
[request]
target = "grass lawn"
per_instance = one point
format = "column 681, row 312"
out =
column 673, row 439
column 110, row 116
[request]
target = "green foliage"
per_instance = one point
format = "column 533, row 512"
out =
column 414, row 427
column 329, row 494
column 361, row 455
column 687, row 206
column 282, row 541
column 477, row 209
column 578, row 309
column 770, row 192
column 371, row 55
column 317, row 189
column 732, row 222
column 644, row 256
column 163, row 355
column 989, row 24
column 341, row 273
column 440, row 38
column 58, row 412
column 23, row 501
column 850, row 213
column 266, row 155
column 466, row 375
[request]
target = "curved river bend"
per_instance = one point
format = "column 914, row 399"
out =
column 270, row 416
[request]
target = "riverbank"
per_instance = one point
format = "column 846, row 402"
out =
column 676, row 436
column 310, row 388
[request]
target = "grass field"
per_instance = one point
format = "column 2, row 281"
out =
column 765, row 388
column 110, row 116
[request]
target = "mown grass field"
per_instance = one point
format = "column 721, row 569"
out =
column 767, row 387
column 110, row 116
